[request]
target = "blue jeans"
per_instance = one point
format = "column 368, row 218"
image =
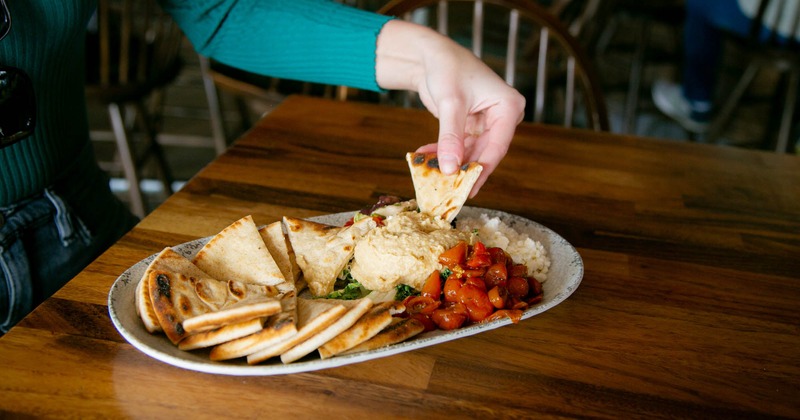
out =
column 703, row 44
column 47, row 239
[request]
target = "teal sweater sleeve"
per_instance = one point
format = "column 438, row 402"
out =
column 310, row 40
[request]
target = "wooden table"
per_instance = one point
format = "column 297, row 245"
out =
column 688, row 306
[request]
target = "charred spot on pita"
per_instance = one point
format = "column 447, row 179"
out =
column 162, row 281
column 433, row 163
column 185, row 304
column 419, row 159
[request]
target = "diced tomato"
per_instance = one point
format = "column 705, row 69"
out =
column 421, row 305
column 432, row 287
column 498, row 296
column 478, row 272
column 378, row 219
column 498, row 255
column 457, row 307
column 476, row 301
column 454, row 256
column 496, row 275
column 448, row 318
column 477, row 282
column 535, row 299
column 479, row 257
column 451, row 287
column 515, row 302
column 349, row 222
column 518, row 286
column 514, row 314
column 517, row 270
column 426, row 320
column 535, row 287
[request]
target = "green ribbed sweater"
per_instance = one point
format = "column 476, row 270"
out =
column 317, row 41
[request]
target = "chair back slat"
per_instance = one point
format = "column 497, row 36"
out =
column 135, row 44
column 526, row 45
column 441, row 25
column 541, row 75
column 126, row 34
column 477, row 28
column 511, row 48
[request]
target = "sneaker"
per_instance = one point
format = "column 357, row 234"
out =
column 668, row 98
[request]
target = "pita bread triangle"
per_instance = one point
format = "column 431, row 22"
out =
column 355, row 310
column 313, row 316
column 238, row 312
column 322, row 250
column 281, row 250
column 369, row 325
column 399, row 330
column 438, row 194
column 144, row 305
column 278, row 328
column 179, row 290
column 223, row 334
column 239, row 253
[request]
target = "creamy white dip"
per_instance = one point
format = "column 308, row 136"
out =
column 403, row 251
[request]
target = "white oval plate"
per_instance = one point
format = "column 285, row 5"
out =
column 564, row 276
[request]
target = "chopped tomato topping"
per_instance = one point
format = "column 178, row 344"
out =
column 433, row 286
column 454, row 256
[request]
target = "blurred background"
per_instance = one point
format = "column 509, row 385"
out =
column 630, row 44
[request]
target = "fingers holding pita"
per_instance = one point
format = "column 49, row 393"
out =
column 450, row 144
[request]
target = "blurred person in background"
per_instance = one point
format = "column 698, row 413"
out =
column 690, row 103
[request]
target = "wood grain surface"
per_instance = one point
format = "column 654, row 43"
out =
column 688, row 306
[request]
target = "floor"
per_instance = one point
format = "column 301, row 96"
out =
column 187, row 130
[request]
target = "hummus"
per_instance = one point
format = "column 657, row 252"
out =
column 403, row 251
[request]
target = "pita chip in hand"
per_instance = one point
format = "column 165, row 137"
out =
column 439, row 194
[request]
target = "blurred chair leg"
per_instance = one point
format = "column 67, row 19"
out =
column 214, row 108
column 153, row 148
column 637, row 71
column 788, row 112
column 126, row 156
column 721, row 119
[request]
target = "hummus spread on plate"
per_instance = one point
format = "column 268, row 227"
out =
column 403, row 251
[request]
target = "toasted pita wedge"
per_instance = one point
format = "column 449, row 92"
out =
column 399, row 330
column 278, row 328
column 220, row 335
column 144, row 306
column 369, row 325
column 175, row 287
column 313, row 315
column 281, row 250
column 239, row 253
column 439, row 194
column 245, row 310
column 322, row 251
column 356, row 309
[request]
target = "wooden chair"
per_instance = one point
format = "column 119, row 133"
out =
column 131, row 55
column 527, row 45
column 643, row 16
column 244, row 87
column 760, row 50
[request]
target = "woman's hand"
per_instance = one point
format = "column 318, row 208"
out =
column 477, row 111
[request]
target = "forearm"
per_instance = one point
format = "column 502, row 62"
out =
column 310, row 40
